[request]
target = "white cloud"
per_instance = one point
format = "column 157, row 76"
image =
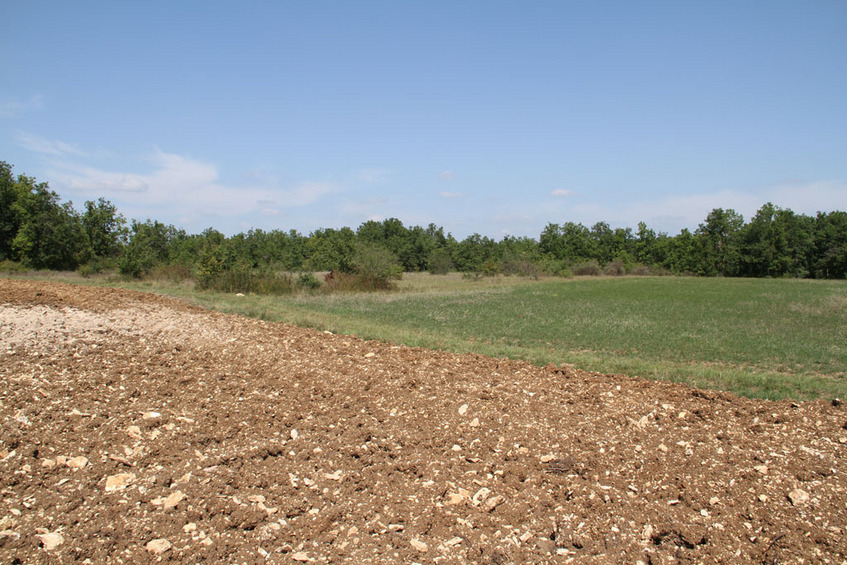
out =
column 675, row 212
column 52, row 147
column 10, row 108
column 444, row 194
column 370, row 176
column 176, row 185
column 446, row 175
column 563, row 192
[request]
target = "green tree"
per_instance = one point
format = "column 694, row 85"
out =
column 148, row 247
column 718, row 242
column 830, row 245
column 104, row 228
column 776, row 243
column 50, row 234
column 9, row 219
column 331, row 250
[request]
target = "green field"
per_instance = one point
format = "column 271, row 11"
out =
column 768, row 338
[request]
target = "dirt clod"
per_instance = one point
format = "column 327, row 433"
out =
column 135, row 428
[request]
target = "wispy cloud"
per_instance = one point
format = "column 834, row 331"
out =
column 370, row 176
column 10, row 107
column 54, row 147
column 180, row 185
column 671, row 213
column 563, row 193
column 446, row 175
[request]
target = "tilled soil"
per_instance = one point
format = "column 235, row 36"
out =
column 135, row 428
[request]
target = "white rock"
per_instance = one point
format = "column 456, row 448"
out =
column 463, row 409
column 51, row 541
column 419, row 545
column 77, row 462
column 798, row 497
column 119, row 481
column 158, row 546
column 173, row 500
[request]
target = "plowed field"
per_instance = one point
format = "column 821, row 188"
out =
column 135, row 428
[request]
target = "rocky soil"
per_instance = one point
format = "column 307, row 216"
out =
column 135, row 429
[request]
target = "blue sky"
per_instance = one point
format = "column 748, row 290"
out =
column 494, row 117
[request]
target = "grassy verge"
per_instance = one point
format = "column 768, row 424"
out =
column 754, row 337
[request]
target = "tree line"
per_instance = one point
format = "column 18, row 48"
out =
column 39, row 231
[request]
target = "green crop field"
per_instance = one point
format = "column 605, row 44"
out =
column 769, row 338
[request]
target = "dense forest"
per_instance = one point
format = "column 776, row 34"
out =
column 39, row 231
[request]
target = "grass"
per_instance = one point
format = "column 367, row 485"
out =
column 761, row 338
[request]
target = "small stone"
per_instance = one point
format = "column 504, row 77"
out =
column 456, row 447
column 77, row 462
column 51, row 541
column 547, row 458
column 453, row 542
column 714, row 500
column 151, row 415
column 546, row 545
column 301, row 556
column 763, row 498
column 158, row 546
column 475, row 423
column 336, row 476
column 481, row 495
column 173, row 500
column 798, row 497
column 134, row 432
column 455, row 498
column 190, row 527
column 295, row 434
column 256, row 498
column 762, row 469
column 119, row 481
column 494, row 502
column 419, row 545
column 463, row 409
column 369, row 355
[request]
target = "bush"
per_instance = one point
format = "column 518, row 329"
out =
column 440, row 262
column 374, row 268
column 308, row 281
column 640, row 270
column 7, row 266
column 171, row 273
column 587, row 269
column 614, row 269
column 518, row 266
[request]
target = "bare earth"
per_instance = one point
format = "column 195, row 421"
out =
column 135, row 428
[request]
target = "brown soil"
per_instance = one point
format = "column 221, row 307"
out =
column 137, row 428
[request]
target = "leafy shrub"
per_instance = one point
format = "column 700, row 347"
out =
column 555, row 267
column 614, row 269
column 589, row 268
column 640, row 270
column 518, row 266
column 375, row 268
column 490, row 268
column 176, row 273
column 308, row 281
column 440, row 262
column 7, row 266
